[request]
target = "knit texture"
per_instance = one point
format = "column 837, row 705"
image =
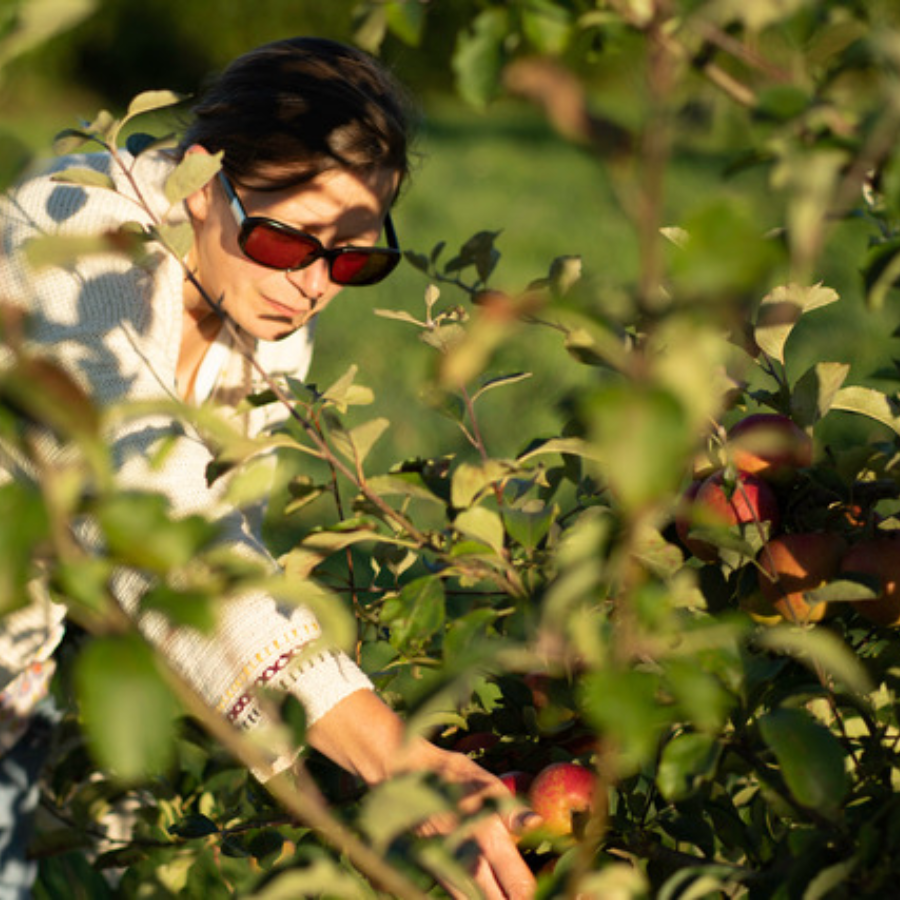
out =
column 116, row 328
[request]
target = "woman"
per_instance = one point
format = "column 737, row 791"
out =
column 314, row 144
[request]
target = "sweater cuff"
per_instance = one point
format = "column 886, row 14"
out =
column 319, row 684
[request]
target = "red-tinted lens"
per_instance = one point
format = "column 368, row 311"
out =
column 269, row 246
column 362, row 266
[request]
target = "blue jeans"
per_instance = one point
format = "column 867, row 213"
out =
column 19, row 793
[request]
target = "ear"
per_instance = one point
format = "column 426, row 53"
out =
column 199, row 202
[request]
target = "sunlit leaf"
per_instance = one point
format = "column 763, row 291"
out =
column 483, row 525
column 871, row 403
column 191, row 174
column 780, row 311
column 85, row 177
column 471, row 479
column 152, row 100
column 815, row 391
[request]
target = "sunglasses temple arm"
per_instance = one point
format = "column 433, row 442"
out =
column 234, row 202
column 390, row 234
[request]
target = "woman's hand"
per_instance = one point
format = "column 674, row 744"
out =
column 363, row 735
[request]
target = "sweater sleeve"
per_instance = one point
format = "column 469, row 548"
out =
column 116, row 328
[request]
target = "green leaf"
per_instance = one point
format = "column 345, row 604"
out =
column 84, row 177
column 195, row 825
column 530, row 523
column 881, row 272
column 319, row 545
column 149, row 101
column 128, row 713
column 500, row 381
column 416, row 613
column 175, row 238
column 356, row 443
column 191, row 174
column 819, row 647
column 810, row 757
column 470, row 480
column 344, row 392
column 483, row 525
column 685, row 759
column 780, row 311
column 815, row 390
column 871, row 403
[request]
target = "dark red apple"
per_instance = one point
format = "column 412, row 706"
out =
column 769, row 445
column 792, row 564
column 718, row 503
column 879, row 556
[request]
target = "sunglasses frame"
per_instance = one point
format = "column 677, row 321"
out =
column 246, row 223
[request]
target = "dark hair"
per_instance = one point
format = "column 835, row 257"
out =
column 300, row 107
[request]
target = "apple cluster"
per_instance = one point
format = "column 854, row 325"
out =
column 763, row 455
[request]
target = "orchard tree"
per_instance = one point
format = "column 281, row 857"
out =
column 679, row 612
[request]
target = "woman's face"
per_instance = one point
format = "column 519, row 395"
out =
column 337, row 207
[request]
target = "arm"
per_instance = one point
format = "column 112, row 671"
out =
column 363, row 735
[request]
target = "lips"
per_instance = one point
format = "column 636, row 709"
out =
column 283, row 309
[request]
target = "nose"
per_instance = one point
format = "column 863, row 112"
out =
column 313, row 281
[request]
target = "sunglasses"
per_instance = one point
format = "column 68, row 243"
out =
column 271, row 243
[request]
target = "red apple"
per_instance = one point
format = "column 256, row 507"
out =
column 517, row 782
column 720, row 504
column 791, row 565
column 561, row 790
column 879, row 556
column 769, row 445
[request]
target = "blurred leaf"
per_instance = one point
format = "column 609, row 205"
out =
column 781, row 309
column 406, row 20
column 547, row 25
column 38, row 20
column 479, row 56
column 319, row 545
column 815, row 391
column 194, row 826
column 127, row 711
column 626, row 705
column 628, row 425
column 139, row 532
column 395, row 807
column 24, row 526
column 323, row 877
column 563, row 446
column 810, row 757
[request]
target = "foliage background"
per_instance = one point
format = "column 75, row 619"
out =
column 738, row 761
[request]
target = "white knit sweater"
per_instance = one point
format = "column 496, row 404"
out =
column 116, row 328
